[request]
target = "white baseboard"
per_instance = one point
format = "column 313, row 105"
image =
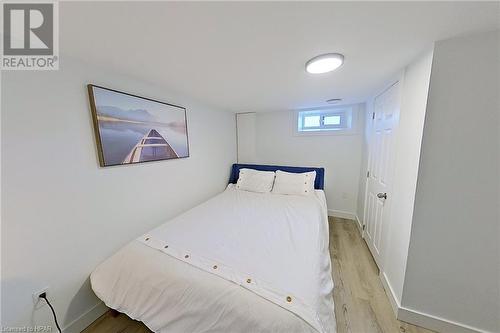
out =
column 342, row 214
column 82, row 322
column 435, row 323
column 360, row 226
column 390, row 293
column 421, row 319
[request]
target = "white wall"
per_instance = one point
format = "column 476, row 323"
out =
column 340, row 155
column 453, row 262
column 245, row 123
column 61, row 213
column 414, row 88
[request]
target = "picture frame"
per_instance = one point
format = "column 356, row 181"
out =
column 131, row 129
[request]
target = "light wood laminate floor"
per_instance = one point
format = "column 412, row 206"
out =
column 361, row 305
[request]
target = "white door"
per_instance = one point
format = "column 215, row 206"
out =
column 385, row 119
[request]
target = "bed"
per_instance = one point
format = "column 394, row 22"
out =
column 240, row 262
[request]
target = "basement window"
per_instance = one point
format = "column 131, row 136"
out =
column 330, row 120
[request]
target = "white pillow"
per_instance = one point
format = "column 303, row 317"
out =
column 294, row 183
column 255, row 181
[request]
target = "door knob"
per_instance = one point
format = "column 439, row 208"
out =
column 382, row 195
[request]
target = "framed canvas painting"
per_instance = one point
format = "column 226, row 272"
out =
column 131, row 129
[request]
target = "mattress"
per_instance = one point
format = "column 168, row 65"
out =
column 240, row 262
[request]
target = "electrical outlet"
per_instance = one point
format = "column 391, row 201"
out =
column 36, row 297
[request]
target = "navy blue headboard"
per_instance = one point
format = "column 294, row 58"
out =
column 318, row 183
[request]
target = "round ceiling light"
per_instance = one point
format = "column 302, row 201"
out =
column 324, row 63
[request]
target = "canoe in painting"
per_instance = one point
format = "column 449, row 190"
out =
column 151, row 147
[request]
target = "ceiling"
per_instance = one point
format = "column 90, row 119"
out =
column 250, row 56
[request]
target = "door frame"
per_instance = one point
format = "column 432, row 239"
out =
column 369, row 130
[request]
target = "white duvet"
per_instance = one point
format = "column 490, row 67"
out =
column 240, row 262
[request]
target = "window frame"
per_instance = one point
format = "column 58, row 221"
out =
column 322, row 116
column 348, row 121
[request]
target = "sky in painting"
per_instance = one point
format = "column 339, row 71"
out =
column 142, row 109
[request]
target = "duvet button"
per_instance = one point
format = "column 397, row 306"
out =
column 215, row 267
column 147, row 238
column 288, row 299
column 166, row 246
column 186, row 256
column 249, row 280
